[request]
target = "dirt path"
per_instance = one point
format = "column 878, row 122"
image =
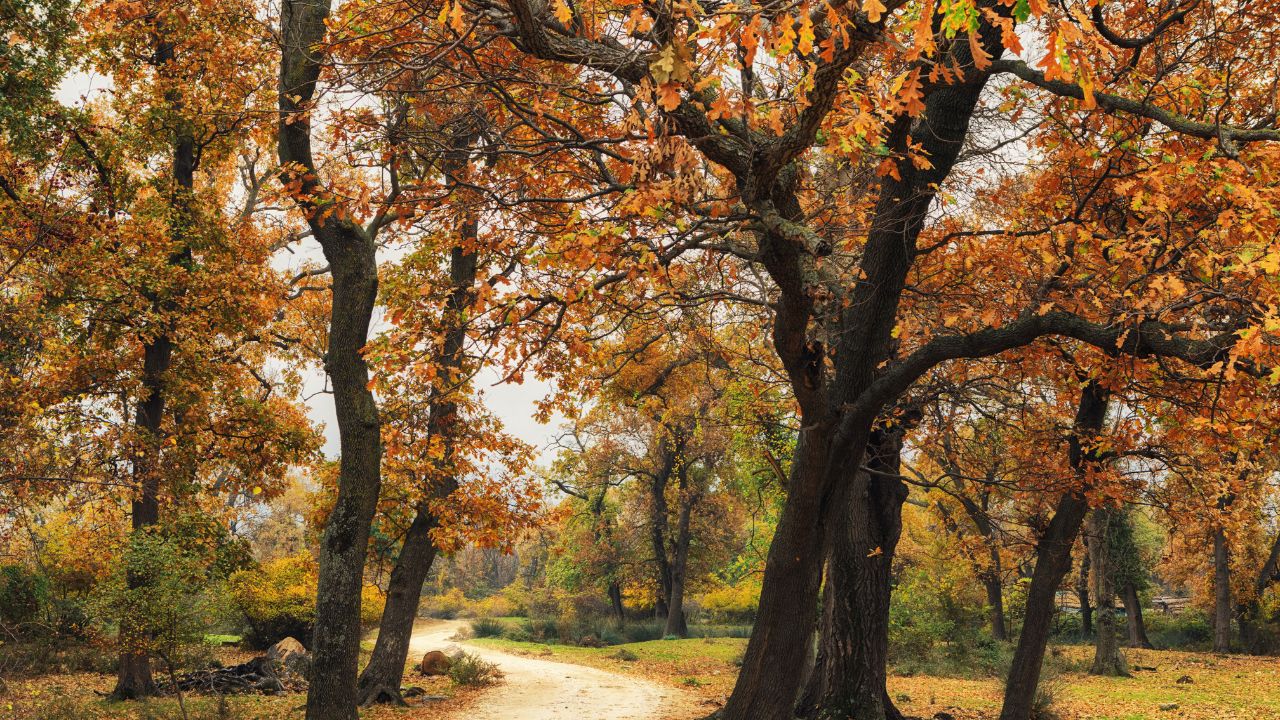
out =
column 545, row 690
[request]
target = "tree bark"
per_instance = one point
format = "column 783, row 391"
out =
column 1107, row 658
column 849, row 678
column 768, row 684
column 351, row 252
column 1053, row 560
column 1082, row 591
column 658, row 526
column 384, row 674
column 134, row 675
column 1133, row 613
column 677, row 625
column 995, row 600
column 1221, row 593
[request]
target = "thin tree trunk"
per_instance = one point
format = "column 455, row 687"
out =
column 1107, row 658
column 1221, row 593
column 677, row 625
column 351, row 251
column 382, row 677
column 658, row 526
column 1053, row 561
column 1133, row 613
column 849, row 678
column 995, row 606
column 615, row 602
column 1082, row 592
column 134, row 675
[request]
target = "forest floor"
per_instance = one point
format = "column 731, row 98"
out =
column 535, row 688
column 685, row 679
column 1212, row 687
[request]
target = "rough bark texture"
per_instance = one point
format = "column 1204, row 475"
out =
column 1053, row 561
column 1107, row 658
column 833, row 439
column 849, row 676
column 351, row 252
column 1133, row 616
column 1221, row 593
column 134, row 678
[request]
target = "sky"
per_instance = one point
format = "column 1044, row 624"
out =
column 514, row 404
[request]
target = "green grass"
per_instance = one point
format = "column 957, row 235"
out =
column 222, row 639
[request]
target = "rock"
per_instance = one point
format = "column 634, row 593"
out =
column 291, row 655
column 1185, row 680
column 435, row 663
column 1169, row 706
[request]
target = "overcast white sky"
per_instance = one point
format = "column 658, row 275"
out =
column 513, row 404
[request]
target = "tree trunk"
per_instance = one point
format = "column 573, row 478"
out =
column 995, row 596
column 834, row 435
column 134, row 678
column 676, row 622
column 849, row 678
column 351, row 251
column 615, row 602
column 1053, row 560
column 1133, row 613
column 658, row 526
column 768, row 683
column 1082, row 591
column 1107, row 658
column 1221, row 593
column 382, row 677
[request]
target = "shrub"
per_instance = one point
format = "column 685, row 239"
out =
column 470, row 669
column 167, row 611
column 732, row 604
column 23, row 594
column 1188, row 629
column 488, row 627
column 277, row 599
column 445, row 606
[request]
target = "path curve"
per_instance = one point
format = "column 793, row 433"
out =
column 535, row 689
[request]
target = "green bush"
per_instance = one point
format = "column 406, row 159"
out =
column 471, row 670
column 23, row 595
column 487, row 627
column 1189, row 629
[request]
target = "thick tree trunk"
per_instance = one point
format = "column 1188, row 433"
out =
column 1082, row 591
column 1251, row 639
column 1221, row 593
column 768, row 684
column 1133, row 615
column 351, row 251
column 134, row 678
column 851, row 670
column 1053, row 561
column 1107, row 658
